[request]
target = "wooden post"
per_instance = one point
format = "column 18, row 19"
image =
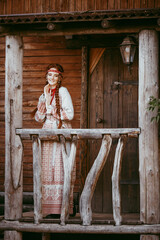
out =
column 68, row 163
column 37, row 184
column 13, row 120
column 148, row 139
column 91, row 180
column 84, row 111
column 46, row 236
column 116, row 196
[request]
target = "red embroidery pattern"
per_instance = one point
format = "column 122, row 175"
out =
column 52, row 177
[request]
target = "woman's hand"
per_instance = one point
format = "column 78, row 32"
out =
column 42, row 107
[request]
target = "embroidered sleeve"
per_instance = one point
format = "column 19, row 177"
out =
column 41, row 112
column 67, row 111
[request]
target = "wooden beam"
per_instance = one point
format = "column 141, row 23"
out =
column 121, row 29
column 77, row 228
column 91, row 180
column 13, row 120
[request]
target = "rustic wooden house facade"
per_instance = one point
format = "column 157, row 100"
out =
column 117, row 145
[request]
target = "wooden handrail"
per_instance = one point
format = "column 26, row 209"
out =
column 52, row 134
column 77, row 134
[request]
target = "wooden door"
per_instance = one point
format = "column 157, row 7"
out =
column 113, row 103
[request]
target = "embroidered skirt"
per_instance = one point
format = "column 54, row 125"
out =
column 53, row 177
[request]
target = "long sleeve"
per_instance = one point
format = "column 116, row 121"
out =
column 67, row 111
column 41, row 115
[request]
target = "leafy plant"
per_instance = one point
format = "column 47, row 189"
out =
column 152, row 105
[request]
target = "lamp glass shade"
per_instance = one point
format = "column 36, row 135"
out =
column 128, row 48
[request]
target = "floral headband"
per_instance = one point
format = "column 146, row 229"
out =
column 55, row 71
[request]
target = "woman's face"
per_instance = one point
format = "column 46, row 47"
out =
column 52, row 77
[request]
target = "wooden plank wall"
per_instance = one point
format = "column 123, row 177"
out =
column 38, row 53
column 41, row 6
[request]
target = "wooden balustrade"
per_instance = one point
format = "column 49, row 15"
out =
column 73, row 135
column 116, row 196
column 91, row 180
column 37, row 177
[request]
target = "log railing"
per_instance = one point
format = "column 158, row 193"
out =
column 74, row 135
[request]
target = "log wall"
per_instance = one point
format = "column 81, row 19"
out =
column 38, row 53
column 41, row 6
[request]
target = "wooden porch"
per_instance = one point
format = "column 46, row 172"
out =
column 85, row 221
column 147, row 221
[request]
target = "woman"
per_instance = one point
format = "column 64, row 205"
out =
column 55, row 109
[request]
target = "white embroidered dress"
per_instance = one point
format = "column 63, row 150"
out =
column 52, row 162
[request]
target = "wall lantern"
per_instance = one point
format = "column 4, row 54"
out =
column 128, row 48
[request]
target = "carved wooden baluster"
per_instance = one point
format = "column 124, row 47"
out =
column 116, row 198
column 91, row 180
column 37, row 178
column 68, row 163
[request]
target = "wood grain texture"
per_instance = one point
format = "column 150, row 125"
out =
column 37, row 184
column 148, row 141
column 84, row 5
column 150, row 237
column 13, row 119
column 81, row 133
column 124, row 4
column 96, row 120
column 10, row 235
column 91, row 180
column 68, row 163
column 120, row 109
column 84, row 112
column 111, row 4
column 84, row 89
column 91, row 4
column 43, row 6
column 144, row 3
column 116, row 195
column 77, row 228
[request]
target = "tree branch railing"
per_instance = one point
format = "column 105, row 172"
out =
column 60, row 135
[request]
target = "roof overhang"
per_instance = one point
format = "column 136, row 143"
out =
column 93, row 16
column 80, row 23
